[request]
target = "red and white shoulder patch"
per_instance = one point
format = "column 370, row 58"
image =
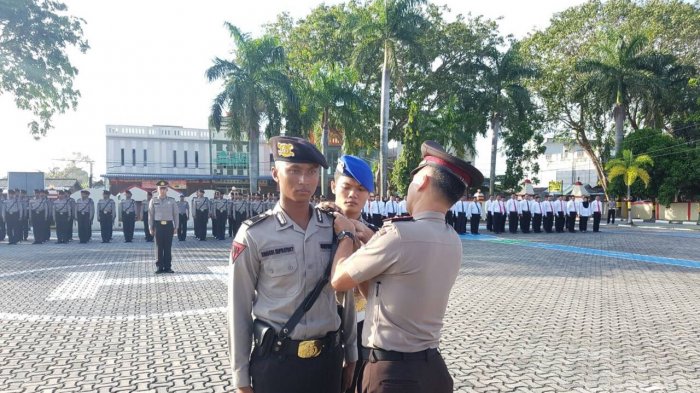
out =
column 236, row 250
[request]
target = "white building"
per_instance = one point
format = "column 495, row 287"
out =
column 188, row 158
column 565, row 163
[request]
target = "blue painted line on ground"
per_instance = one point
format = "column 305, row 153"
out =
column 588, row 251
column 654, row 232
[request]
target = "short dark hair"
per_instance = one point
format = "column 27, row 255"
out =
column 450, row 186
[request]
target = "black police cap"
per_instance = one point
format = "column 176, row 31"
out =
column 297, row 150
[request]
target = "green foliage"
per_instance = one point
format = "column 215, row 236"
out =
column 410, row 155
column 35, row 36
column 71, row 170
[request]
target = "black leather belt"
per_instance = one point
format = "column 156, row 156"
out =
column 379, row 355
column 305, row 349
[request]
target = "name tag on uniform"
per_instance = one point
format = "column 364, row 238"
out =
column 163, row 222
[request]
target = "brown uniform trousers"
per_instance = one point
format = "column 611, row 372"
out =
column 425, row 373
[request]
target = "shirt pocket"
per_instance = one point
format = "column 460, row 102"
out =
column 282, row 277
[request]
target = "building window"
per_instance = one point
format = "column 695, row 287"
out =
column 122, row 157
column 185, row 159
column 133, row 157
column 145, row 157
column 196, row 159
column 174, row 158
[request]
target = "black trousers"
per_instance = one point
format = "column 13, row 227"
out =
column 290, row 374
column 489, row 221
column 84, row 227
column 583, row 223
column 146, row 229
column 106, row 221
column 474, row 224
column 220, row 225
column 611, row 215
column 24, row 221
column 596, row 222
column 571, row 222
column 14, row 228
column 513, row 222
column 378, row 220
column 525, row 219
column 461, row 223
column 182, row 227
column 408, row 376
column 164, row 244
column 3, row 230
column 39, row 224
column 559, row 222
column 548, row 220
column 201, row 217
column 357, row 376
column 62, row 227
column 128, row 219
column 499, row 221
column 231, row 225
column 240, row 217
column 537, row 223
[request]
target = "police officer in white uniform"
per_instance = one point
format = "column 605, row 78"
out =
column 163, row 220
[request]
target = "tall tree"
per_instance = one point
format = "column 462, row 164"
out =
column 35, row 36
column 392, row 29
column 630, row 168
column 256, row 89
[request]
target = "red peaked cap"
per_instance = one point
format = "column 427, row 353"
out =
column 435, row 155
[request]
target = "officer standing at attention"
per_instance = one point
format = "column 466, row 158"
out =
column 474, row 216
column 163, row 223
column 219, row 216
column 106, row 212
column 183, row 209
column 536, row 215
column 231, row 213
column 525, row 214
column 200, row 213
column 513, row 208
column 144, row 216
column 12, row 214
column 62, row 211
column 24, row 202
column 39, row 211
column 84, row 213
column 489, row 213
column 71, row 201
column 278, row 262
column 128, row 211
column 409, row 258
column 548, row 214
column 3, row 230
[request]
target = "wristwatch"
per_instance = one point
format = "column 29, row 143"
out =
column 343, row 234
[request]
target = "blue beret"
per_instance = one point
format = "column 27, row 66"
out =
column 357, row 169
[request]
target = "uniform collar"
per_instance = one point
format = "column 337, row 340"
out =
column 430, row 215
column 318, row 219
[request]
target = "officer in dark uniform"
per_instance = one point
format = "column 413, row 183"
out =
column 62, row 212
column 13, row 215
column 200, row 213
column 241, row 206
column 144, row 216
column 277, row 260
column 183, row 209
column 84, row 214
column 3, row 229
column 163, row 222
column 39, row 211
column 106, row 212
column 24, row 202
column 231, row 213
column 128, row 214
column 410, row 258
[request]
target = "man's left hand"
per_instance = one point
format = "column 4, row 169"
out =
column 342, row 223
column 348, row 374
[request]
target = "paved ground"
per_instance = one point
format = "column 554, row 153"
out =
column 615, row 311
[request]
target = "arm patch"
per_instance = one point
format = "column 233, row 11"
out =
column 236, row 250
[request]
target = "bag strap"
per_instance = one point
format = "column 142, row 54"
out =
column 310, row 299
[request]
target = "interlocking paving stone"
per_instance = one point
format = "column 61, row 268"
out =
column 520, row 319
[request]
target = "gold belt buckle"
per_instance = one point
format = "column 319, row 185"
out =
column 309, row 349
column 163, row 223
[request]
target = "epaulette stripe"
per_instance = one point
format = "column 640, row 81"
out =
column 254, row 220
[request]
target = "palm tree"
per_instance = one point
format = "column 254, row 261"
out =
column 623, row 71
column 507, row 98
column 630, row 168
column 391, row 29
column 256, row 88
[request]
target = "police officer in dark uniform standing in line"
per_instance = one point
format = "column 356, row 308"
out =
column 106, row 211
column 231, row 213
column 39, row 211
column 163, row 222
column 200, row 213
column 241, row 206
column 3, row 227
column 278, row 260
column 62, row 211
column 128, row 214
column 12, row 213
column 24, row 202
column 409, row 258
column 144, row 216
column 84, row 214
column 71, row 201
column 218, row 216
column 183, row 210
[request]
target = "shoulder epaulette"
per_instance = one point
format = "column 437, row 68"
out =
column 399, row 219
column 259, row 218
column 323, row 212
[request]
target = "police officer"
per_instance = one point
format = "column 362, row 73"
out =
column 525, row 214
column 163, row 222
column 560, row 214
column 183, row 210
column 144, row 216
column 409, row 258
column 3, row 230
column 548, row 214
column 474, row 216
column 537, row 215
column 71, row 201
column 218, row 214
column 106, row 212
column 128, row 214
column 62, row 212
column 24, row 202
column 84, row 213
column 513, row 211
column 200, row 212
column 39, row 211
column 277, row 259
column 13, row 216
column 231, row 213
